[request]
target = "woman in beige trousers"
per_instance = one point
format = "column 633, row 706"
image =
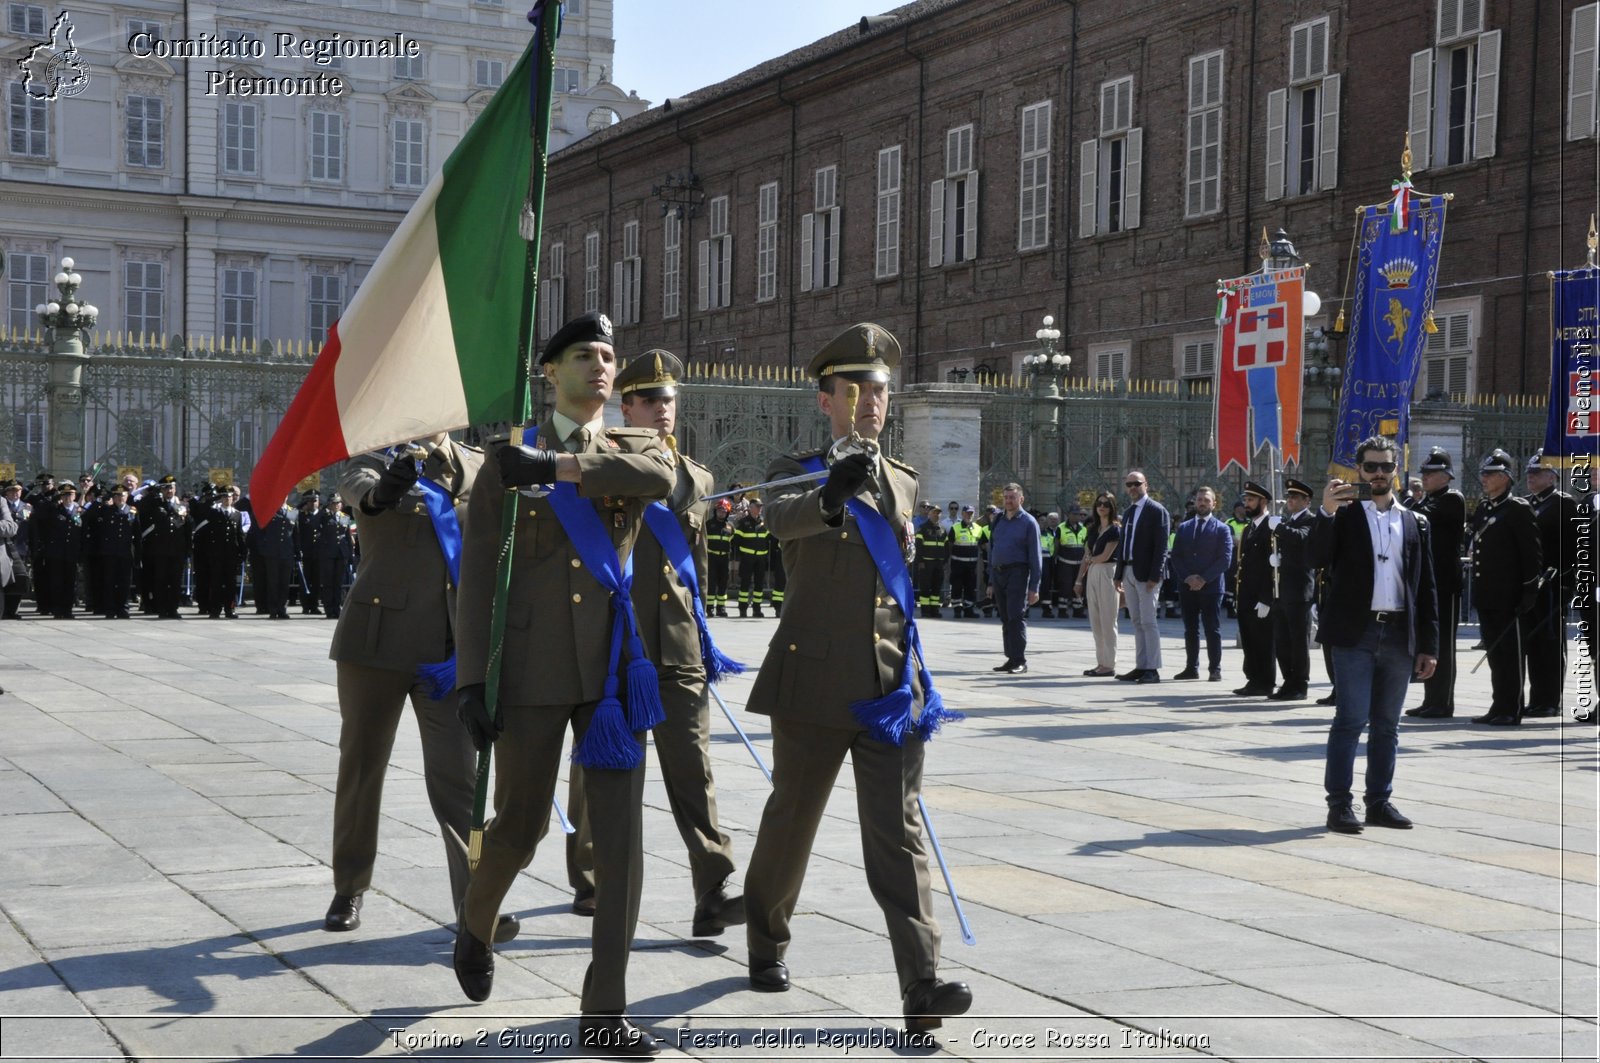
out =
column 1098, row 585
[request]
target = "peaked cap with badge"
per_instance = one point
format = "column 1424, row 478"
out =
column 1253, row 488
column 652, row 375
column 1296, row 487
column 863, row 353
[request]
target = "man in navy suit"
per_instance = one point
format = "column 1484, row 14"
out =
column 1143, row 554
column 1383, row 624
column 1202, row 553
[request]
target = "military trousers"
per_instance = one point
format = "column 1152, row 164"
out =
column 683, row 749
column 805, row 761
column 1255, row 639
column 528, row 758
column 371, row 702
column 1291, row 623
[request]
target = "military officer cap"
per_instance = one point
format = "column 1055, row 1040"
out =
column 1253, row 488
column 863, row 353
column 1498, row 460
column 652, row 375
column 588, row 328
column 117, row 488
column 42, row 477
column 168, row 479
column 1296, row 487
column 1536, row 462
column 67, row 487
column 1439, row 461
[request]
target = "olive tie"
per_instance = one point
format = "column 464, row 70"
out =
column 578, row 442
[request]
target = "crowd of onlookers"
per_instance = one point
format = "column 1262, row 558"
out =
column 110, row 549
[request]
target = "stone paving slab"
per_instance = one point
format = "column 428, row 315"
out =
column 1145, row 870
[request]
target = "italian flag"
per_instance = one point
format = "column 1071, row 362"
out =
column 429, row 342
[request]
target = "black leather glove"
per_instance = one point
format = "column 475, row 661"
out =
column 522, row 466
column 473, row 712
column 844, row 480
column 394, row 482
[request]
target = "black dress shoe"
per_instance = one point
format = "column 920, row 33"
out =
column 1215, row 676
column 1149, row 675
column 1383, row 814
column 1250, row 690
column 1131, row 676
column 717, row 911
column 1342, row 819
column 343, row 914
column 1006, row 667
column 1543, row 711
column 474, row 964
column 612, row 1035
column 583, row 904
column 1329, row 699
column 769, row 976
column 1498, row 719
column 506, row 928
column 1188, row 673
column 927, row 1003
column 1430, row 712
column 1018, row 667
column 1287, row 694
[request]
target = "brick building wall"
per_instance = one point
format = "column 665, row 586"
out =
column 1126, row 300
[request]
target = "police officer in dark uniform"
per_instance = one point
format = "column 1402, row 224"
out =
column 164, row 546
column 1446, row 512
column 1255, row 596
column 966, row 549
column 1297, row 590
column 307, row 531
column 61, row 536
column 1507, row 560
column 1556, row 514
column 276, row 553
column 933, row 549
column 218, row 549
column 116, row 537
column 753, row 544
column 335, row 554
column 719, row 545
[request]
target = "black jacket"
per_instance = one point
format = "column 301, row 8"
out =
column 1342, row 546
column 1506, row 554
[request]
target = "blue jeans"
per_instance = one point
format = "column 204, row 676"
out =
column 1370, row 679
column 1202, row 610
column 1011, row 599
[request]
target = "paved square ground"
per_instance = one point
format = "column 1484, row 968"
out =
column 1144, row 868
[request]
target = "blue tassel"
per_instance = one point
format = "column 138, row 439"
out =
column 608, row 744
column 887, row 719
column 440, row 678
column 718, row 664
column 935, row 714
column 644, row 692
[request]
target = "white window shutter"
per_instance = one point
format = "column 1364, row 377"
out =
column 808, row 223
column 936, row 223
column 704, row 274
column 1277, row 145
column 1486, row 122
column 637, row 278
column 544, row 309
column 971, row 241
column 1088, row 183
column 1581, row 83
column 1133, row 178
column 616, row 292
column 725, row 279
column 833, row 249
column 1328, row 150
column 1420, row 123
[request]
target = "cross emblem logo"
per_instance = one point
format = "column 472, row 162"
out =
column 1261, row 338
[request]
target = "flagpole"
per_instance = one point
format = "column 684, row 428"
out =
column 546, row 17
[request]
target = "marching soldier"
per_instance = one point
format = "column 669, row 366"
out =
column 933, row 548
column 1296, row 591
column 1556, row 513
column 666, row 564
column 751, row 540
column 1254, row 596
column 116, row 537
column 164, row 546
column 1506, row 566
column 841, row 679
column 964, row 558
column 1446, row 512
column 576, row 525
column 719, row 545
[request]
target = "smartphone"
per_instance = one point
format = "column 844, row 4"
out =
column 1363, row 492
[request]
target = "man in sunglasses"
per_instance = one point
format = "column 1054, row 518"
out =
column 1382, row 622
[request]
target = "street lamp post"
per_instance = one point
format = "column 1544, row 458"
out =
column 1046, row 369
column 67, row 318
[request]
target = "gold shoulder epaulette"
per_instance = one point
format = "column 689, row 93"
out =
column 809, row 454
column 902, row 466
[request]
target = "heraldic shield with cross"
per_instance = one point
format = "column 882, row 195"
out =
column 1261, row 327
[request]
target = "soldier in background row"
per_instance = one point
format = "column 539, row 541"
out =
column 1560, row 532
column 1506, row 566
column 308, row 530
column 335, row 555
column 163, row 546
column 275, row 551
column 59, row 528
column 1446, row 511
column 1296, row 591
column 115, row 541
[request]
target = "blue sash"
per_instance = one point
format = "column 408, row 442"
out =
column 889, row 718
column 663, row 524
column 441, row 678
column 609, row 741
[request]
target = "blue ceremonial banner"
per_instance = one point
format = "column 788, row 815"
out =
column 1395, row 275
column 1574, row 324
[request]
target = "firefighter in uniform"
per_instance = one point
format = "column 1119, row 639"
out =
column 719, row 544
column 1072, row 540
column 1507, row 560
column 1556, row 513
column 750, row 540
column 1296, row 591
column 964, row 559
column 778, row 579
column 1446, row 511
column 1254, row 594
column 933, row 551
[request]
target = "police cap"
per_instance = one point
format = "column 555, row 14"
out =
column 1498, row 460
column 1536, row 462
column 863, row 353
column 1253, row 488
column 652, row 375
column 587, row 328
column 1439, row 461
column 1296, row 487
column 168, row 479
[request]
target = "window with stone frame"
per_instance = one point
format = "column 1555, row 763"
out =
column 1455, row 89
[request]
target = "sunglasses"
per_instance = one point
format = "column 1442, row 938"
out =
column 1133, row 483
column 1377, row 466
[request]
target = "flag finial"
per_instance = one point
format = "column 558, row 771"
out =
column 1593, row 242
column 1405, row 159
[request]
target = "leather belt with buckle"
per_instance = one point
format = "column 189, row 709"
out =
column 1386, row 616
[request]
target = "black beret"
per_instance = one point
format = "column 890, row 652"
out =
column 588, row 328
